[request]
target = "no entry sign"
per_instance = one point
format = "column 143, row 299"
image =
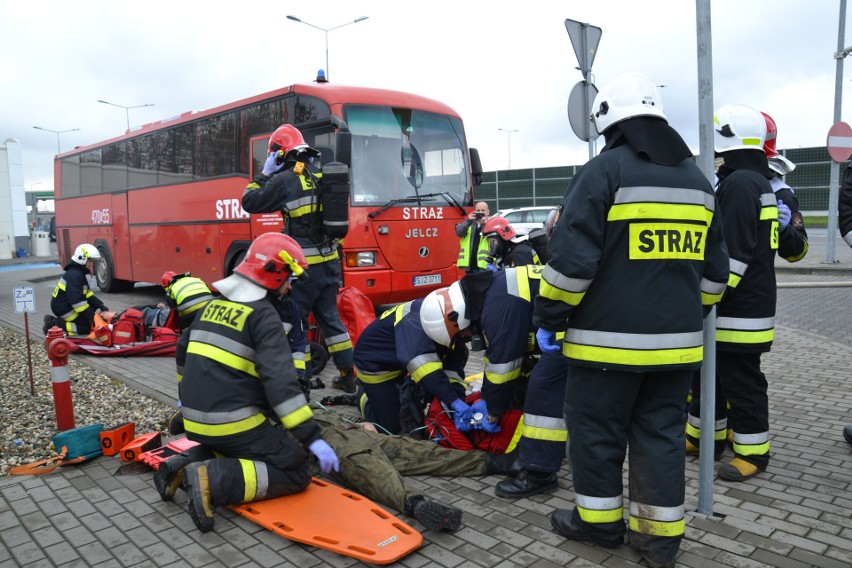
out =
column 839, row 142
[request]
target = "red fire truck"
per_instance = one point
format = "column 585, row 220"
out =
column 166, row 195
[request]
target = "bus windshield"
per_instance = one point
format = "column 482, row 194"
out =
column 399, row 153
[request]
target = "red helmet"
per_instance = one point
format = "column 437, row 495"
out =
column 271, row 259
column 499, row 227
column 771, row 135
column 287, row 137
column 167, row 278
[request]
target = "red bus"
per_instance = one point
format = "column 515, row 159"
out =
column 166, row 195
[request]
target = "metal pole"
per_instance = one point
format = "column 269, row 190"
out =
column 834, row 178
column 705, row 161
column 587, row 77
column 327, row 71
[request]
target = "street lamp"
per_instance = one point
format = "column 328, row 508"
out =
column 326, row 30
column 126, row 108
column 57, row 132
column 509, row 139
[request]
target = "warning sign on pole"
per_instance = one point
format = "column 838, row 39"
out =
column 839, row 142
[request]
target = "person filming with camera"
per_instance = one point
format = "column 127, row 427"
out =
column 473, row 249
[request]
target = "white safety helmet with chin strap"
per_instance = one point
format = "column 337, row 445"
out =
column 738, row 127
column 443, row 314
column 84, row 253
column 627, row 96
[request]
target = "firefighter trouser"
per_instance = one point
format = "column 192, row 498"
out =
column 80, row 326
column 263, row 463
column 543, row 441
column 318, row 295
column 380, row 404
column 374, row 464
column 746, row 389
column 607, row 412
column 693, row 419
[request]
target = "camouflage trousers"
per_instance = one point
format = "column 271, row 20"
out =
column 374, row 464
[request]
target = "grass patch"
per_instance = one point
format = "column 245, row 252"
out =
column 816, row 221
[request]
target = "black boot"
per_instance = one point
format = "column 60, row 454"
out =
column 503, row 464
column 200, row 505
column 562, row 521
column 847, row 433
column 169, row 476
column 346, row 382
column 525, row 484
column 49, row 321
column 433, row 515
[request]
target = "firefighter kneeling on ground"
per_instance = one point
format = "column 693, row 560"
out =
column 73, row 303
column 238, row 377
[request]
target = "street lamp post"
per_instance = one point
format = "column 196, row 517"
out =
column 126, row 108
column 509, row 140
column 326, row 30
column 57, row 132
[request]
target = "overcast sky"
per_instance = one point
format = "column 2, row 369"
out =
column 503, row 65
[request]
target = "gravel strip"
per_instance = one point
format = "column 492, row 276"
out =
column 27, row 422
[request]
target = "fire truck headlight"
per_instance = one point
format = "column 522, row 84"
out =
column 361, row 259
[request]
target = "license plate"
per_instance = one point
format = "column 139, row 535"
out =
column 427, row 280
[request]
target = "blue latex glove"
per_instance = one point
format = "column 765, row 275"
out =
column 326, row 456
column 784, row 215
column 480, row 406
column 546, row 340
column 270, row 166
column 461, row 415
column 492, row 267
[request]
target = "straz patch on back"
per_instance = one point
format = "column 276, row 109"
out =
column 659, row 241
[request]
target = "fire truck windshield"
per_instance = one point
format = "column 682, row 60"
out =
column 397, row 153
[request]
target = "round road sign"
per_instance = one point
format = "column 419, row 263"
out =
column 839, row 142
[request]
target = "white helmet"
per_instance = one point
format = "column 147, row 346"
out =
column 442, row 314
column 626, row 96
column 84, row 253
column 738, row 127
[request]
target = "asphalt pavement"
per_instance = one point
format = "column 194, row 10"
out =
column 796, row 514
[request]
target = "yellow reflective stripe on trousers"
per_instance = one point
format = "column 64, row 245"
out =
column 751, row 444
column 249, row 480
column 599, row 509
column 224, row 357
column 227, row 429
column 656, row 521
column 545, row 428
column 502, row 373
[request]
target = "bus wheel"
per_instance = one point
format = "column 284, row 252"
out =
column 319, row 358
column 105, row 274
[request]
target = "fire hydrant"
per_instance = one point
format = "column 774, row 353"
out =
column 58, row 348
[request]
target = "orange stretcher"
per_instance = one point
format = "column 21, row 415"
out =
column 333, row 518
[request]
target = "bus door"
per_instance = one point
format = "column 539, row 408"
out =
column 120, row 245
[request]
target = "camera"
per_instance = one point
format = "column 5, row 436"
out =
column 479, row 215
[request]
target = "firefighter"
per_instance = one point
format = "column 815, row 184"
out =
column 74, row 305
column 746, row 314
column 844, row 211
column 238, row 375
column 473, row 248
column 289, row 183
column 185, row 294
column 637, row 258
column 424, row 338
column 544, row 435
column 792, row 236
column 505, row 248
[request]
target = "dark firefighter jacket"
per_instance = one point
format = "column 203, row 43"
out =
column 507, row 327
column 396, row 343
column 635, row 255
column 291, row 321
column 238, row 371
column 297, row 197
column 845, row 206
column 745, row 321
column 72, row 296
column 188, row 295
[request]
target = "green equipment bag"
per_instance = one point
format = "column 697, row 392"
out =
column 83, row 443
